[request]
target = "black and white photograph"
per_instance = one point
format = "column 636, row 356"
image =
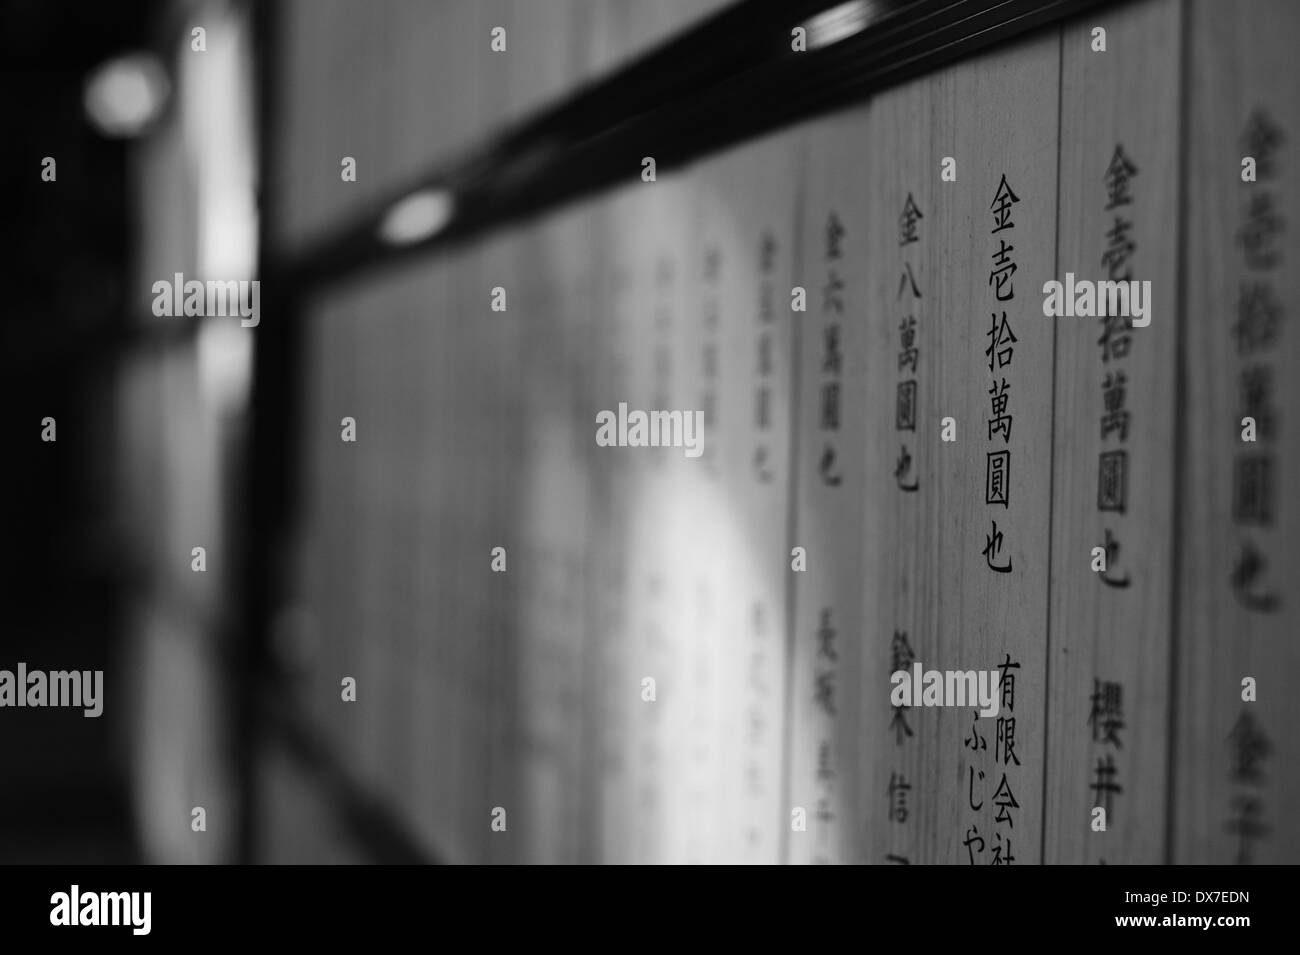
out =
column 651, row 432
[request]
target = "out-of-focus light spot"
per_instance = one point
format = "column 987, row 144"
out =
column 214, row 101
column 841, row 22
column 124, row 95
column 417, row 217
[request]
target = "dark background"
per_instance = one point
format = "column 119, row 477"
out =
column 66, row 564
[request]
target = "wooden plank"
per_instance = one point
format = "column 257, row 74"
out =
column 830, row 420
column 1110, row 630
column 1235, row 766
column 739, row 495
column 967, row 594
column 659, row 579
column 610, row 681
